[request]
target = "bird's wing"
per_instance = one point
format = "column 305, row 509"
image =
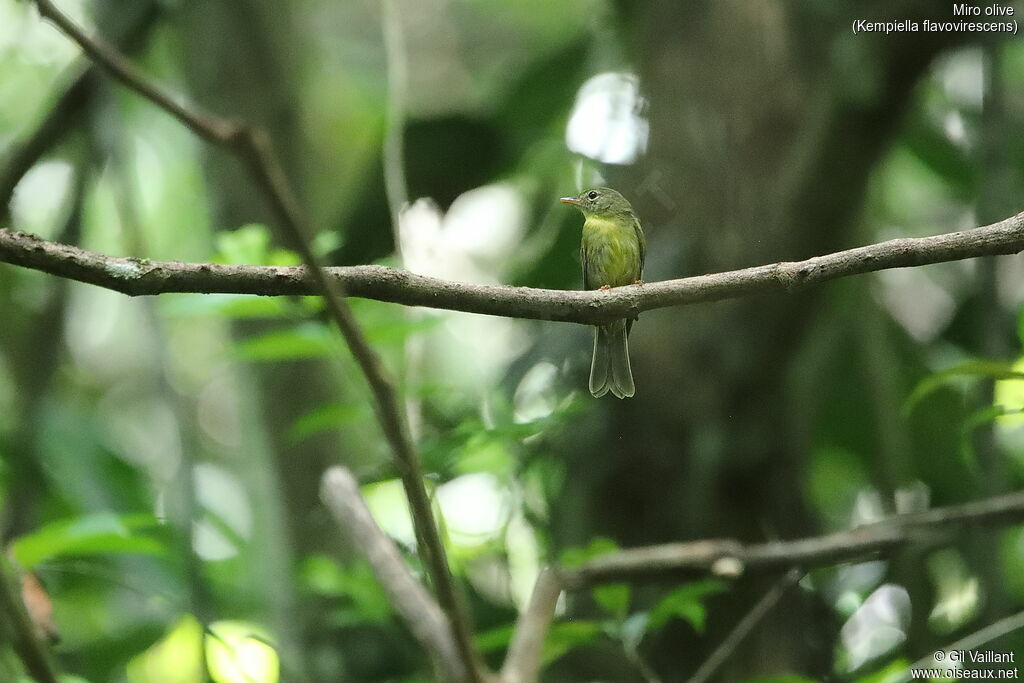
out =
column 643, row 245
column 585, row 261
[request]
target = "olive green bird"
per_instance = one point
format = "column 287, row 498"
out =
column 612, row 250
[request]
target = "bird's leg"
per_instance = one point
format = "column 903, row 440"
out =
column 638, row 282
column 604, row 287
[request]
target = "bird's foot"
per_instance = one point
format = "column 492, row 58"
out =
column 604, row 287
column 638, row 282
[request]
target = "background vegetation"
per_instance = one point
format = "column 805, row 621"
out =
column 745, row 133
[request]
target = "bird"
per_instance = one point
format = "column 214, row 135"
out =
column 612, row 250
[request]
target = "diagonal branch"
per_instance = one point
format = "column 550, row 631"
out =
column 340, row 492
column 253, row 149
column 135, row 277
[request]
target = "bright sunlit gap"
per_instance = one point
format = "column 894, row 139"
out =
column 236, row 652
column 607, row 123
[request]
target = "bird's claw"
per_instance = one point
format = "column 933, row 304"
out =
column 604, row 287
column 638, row 282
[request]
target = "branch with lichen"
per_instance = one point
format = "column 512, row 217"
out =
column 136, row 277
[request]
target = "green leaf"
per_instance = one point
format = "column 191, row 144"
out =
column 933, row 146
column 313, row 339
column 306, row 340
column 979, row 418
column 1020, row 326
column 362, row 598
column 835, row 477
column 495, row 639
column 250, row 245
column 397, row 330
column 784, row 678
column 331, row 416
column 613, row 597
column 974, row 368
column 561, row 638
column 485, row 453
column 684, row 603
column 574, row 558
column 234, row 306
column 567, row 635
column 99, row 534
column 326, row 242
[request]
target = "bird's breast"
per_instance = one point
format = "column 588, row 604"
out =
column 611, row 253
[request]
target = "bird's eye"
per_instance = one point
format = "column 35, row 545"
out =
column 591, row 195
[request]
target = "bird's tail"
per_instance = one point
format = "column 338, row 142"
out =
column 609, row 369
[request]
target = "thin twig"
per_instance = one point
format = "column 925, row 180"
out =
column 135, row 278
column 742, row 629
column 731, row 558
column 253, row 148
column 973, row 641
column 340, row 492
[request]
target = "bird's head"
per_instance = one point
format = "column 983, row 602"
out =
column 600, row 201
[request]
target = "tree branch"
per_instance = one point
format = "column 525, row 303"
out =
column 523, row 659
column 252, row 147
column 731, row 558
column 340, row 492
column 136, row 277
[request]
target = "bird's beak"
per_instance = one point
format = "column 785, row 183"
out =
column 570, row 200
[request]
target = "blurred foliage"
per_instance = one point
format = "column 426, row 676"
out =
column 99, row 534
column 159, row 458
